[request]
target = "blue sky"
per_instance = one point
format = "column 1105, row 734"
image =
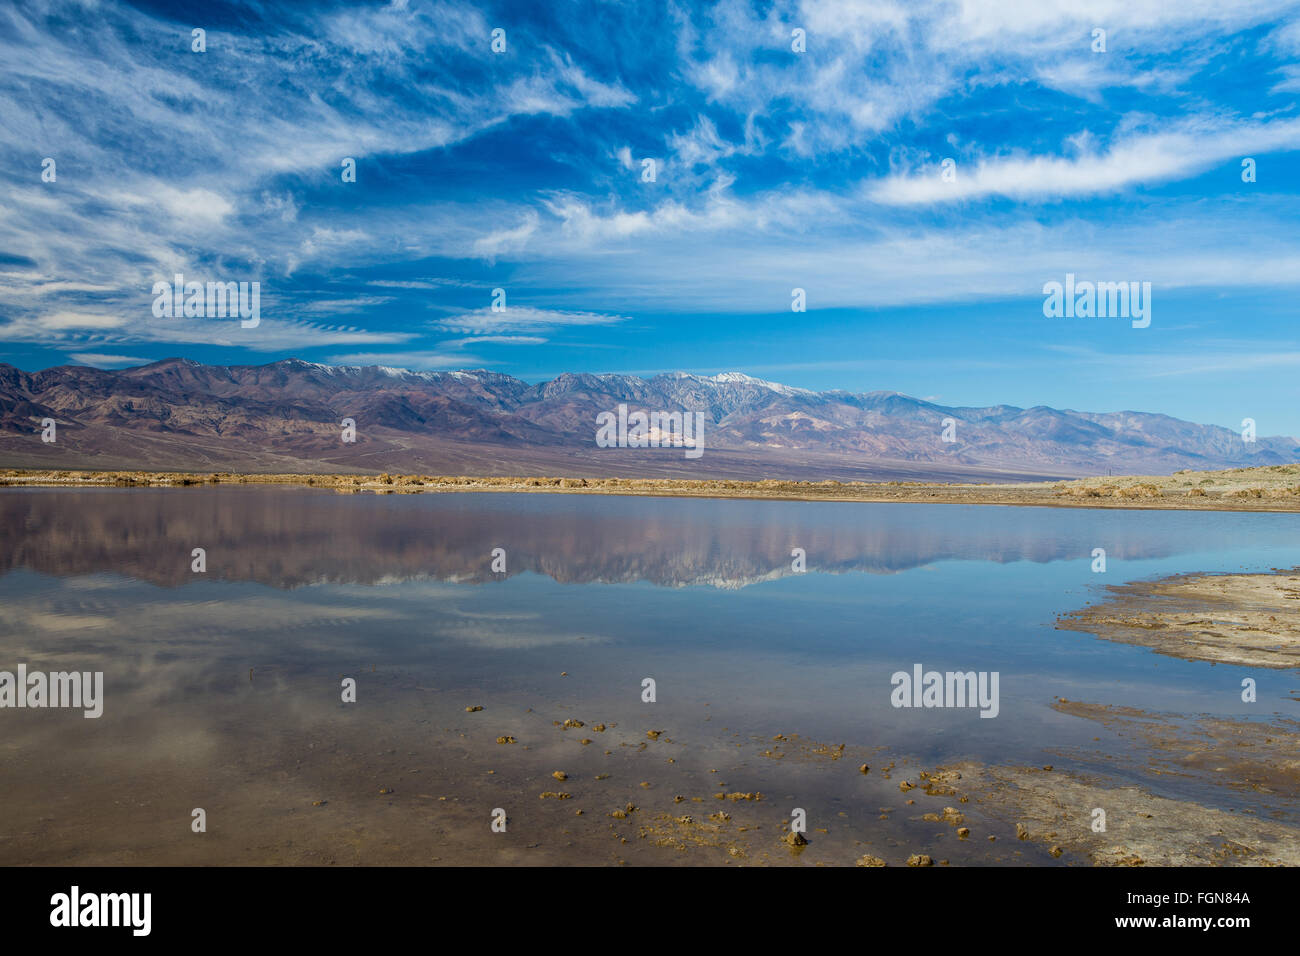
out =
column 774, row 170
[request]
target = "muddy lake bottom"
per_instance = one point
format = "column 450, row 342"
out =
column 223, row 687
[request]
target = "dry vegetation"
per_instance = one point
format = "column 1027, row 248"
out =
column 1268, row 481
column 1267, row 488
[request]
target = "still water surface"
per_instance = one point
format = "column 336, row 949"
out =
column 305, row 587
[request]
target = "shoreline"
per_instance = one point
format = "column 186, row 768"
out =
column 1247, row 620
column 1237, row 490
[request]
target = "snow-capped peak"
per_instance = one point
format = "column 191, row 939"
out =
column 740, row 378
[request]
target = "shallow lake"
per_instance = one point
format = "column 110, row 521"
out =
column 222, row 688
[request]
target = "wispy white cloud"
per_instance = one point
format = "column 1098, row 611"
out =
column 521, row 319
column 896, row 264
column 169, row 160
column 99, row 360
column 493, row 340
column 1148, row 159
column 870, row 65
column 415, row 359
column 506, row 240
column 139, row 327
column 777, row 169
column 1210, row 359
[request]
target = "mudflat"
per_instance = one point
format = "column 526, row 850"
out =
column 1252, row 620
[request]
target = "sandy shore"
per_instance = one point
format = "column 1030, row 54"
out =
column 1269, row 488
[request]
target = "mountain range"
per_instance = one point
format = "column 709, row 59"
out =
column 178, row 414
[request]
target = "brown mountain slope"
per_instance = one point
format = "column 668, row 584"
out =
column 288, row 416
